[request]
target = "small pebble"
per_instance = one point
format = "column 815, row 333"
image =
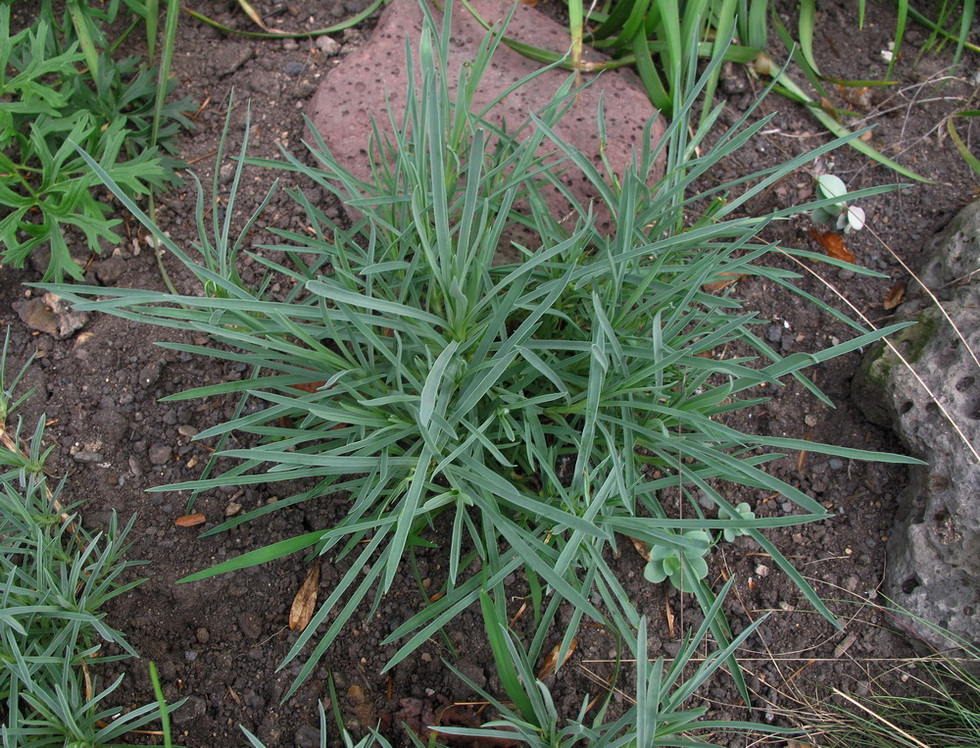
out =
column 86, row 456
column 150, row 373
column 328, row 46
column 293, row 68
column 187, row 430
column 159, row 454
column 203, row 635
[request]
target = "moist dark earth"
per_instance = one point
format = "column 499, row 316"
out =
column 219, row 643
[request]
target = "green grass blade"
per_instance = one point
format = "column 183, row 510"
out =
column 962, row 147
column 259, row 556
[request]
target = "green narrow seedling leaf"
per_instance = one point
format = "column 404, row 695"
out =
column 259, row 556
column 961, row 146
column 497, row 635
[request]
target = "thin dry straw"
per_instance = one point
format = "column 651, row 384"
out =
column 931, row 295
column 894, row 350
column 891, row 725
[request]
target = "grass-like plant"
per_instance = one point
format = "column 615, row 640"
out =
column 657, row 37
column 660, row 714
column 55, row 579
column 935, row 701
column 537, row 416
column 115, row 110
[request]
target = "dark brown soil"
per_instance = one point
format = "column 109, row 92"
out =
column 219, row 642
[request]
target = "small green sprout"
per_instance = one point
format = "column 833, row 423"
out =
column 845, row 217
column 685, row 566
column 742, row 511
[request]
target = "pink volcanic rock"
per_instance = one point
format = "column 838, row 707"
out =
column 355, row 90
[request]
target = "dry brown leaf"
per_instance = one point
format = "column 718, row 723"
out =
column 716, row 286
column 460, row 715
column 304, row 603
column 550, row 662
column 257, row 19
column 828, row 106
column 88, row 681
column 670, row 618
column 642, row 548
column 310, row 387
column 189, row 520
column 833, row 244
column 895, row 296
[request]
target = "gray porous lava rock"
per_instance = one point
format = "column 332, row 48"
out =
column 934, row 548
column 354, row 91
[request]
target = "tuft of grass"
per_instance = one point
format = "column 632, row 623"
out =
column 660, row 712
column 55, row 580
column 929, row 701
column 538, row 414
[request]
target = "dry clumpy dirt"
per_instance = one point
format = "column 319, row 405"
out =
column 219, row 642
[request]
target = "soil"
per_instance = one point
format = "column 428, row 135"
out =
column 219, row 643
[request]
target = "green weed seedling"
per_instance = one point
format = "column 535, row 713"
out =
column 517, row 419
column 54, row 105
column 742, row 512
column 840, row 212
column 684, row 565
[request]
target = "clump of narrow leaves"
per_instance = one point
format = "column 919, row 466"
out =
column 531, row 418
column 55, row 580
column 54, row 105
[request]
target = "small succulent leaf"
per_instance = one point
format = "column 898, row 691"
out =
column 654, row 572
column 831, row 186
column 822, row 215
column 855, row 219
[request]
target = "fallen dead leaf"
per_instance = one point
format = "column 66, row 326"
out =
column 189, row 520
column 458, row 715
column 363, row 710
column 833, row 244
column 828, row 106
column 642, row 548
column 310, row 387
column 895, row 295
column 550, row 662
column 305, row 601
column 717, row 286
